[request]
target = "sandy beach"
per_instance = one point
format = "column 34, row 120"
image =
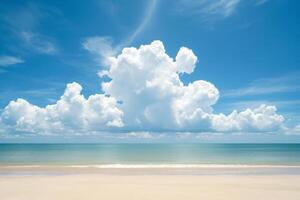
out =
column 126, row 185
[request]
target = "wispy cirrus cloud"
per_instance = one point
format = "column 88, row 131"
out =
column 220, row 8
column 211, row 10
column 240, row 105
column 46, row 89
column 102, row 47
column 149, row 11
column 260, row 2
column 38, row 42
column 23, row 24
column 287, row 83
column 10, row 60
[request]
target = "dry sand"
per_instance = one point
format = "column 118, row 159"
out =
column 95, row 186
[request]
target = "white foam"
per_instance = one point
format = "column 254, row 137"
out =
column 156, row 166
column 179, row 166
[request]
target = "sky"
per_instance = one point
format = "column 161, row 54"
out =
column 152, row 70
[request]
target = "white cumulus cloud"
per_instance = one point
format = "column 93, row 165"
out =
column 147, row 81
column 71, row 113
column 263, row 118
column 144, row 93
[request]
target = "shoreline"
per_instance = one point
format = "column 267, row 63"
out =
column 239, row 170
column 126, row 166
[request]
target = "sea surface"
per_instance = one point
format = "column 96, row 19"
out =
column 149, row 154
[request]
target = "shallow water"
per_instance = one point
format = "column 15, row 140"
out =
column 150, row 154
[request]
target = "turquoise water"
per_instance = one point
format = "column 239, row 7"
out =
column 146, row 154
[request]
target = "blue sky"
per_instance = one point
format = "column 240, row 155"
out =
column 249, row 51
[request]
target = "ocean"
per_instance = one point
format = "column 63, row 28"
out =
column 149, row 154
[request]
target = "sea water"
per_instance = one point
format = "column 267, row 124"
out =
column 149, row 154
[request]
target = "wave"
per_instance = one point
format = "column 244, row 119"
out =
column 156, row 166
